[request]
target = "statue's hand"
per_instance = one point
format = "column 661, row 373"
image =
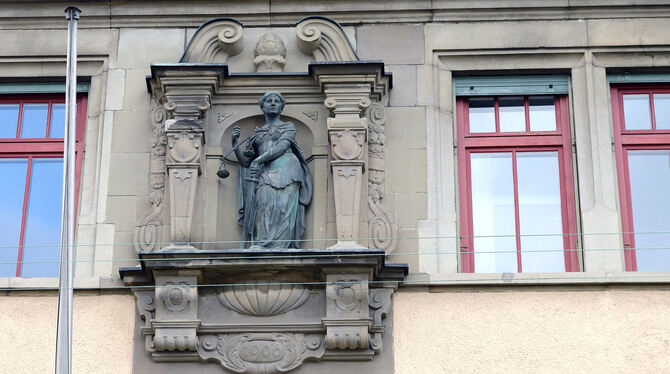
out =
column 236, row 134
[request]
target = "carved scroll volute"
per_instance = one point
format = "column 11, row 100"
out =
column 215, row 41
column 176, row 322
column 324, row 40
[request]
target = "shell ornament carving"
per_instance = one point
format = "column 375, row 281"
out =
column 263, row 299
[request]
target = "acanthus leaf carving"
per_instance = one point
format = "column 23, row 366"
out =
column 380, row 227
column 261, row 353
column 148, row 233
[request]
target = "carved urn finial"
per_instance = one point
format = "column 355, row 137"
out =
column 270, row 53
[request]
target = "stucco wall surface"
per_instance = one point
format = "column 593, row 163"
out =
column 102, row 334
column 530, row 330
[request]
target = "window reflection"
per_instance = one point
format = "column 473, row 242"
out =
column 9, row 117
column 540, row 218
column 649, row 172
column 482, row 115
column 542, row 113
column 57, row 129
column 12, row 189
column 662, row 111
column 637, row 113
column 512, row 114
column 493, row 212
column 41, row 251
column 34, row 120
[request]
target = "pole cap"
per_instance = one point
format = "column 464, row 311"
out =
column 72, row 12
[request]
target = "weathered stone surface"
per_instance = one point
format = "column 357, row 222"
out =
column 139, row 48
column 132, row 132
column 405, row 128
column 409, row 171
column 116, row 83
column 412, row 207
column 404, row 77
column 374, row 43
column 632, row 32
column 127, row 180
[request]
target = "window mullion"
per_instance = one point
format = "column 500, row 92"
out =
column 527, row 113
column 497, row 114
column 517, row 224
column 48, row 130
column 20, row 120
column 24, row 213
column 652, row 110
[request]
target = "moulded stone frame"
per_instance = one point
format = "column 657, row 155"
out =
column 591, row 122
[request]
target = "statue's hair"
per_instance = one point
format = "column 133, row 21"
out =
column 262, row 99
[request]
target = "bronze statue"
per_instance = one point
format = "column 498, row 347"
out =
column 275, row 185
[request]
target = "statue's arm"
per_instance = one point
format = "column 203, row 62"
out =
column 244, row 161
column 280, row 147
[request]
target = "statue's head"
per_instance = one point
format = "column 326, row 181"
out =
column 273, row 96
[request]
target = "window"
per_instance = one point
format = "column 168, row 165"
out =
column 517, row 205
column 31, row 164
column 641, row 119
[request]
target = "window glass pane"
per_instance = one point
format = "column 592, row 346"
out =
column 512, row 114
column 41, row 251
column 57, row 129
column 482, row 115
column 34, row 120
column 542, row 113
column 649, row 185
column 493, row 212
column 540, row 219
column 662, row 111
column 12, row 188
column 637, row 112
column 9, row 117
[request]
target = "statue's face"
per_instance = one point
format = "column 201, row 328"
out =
column 272, row 105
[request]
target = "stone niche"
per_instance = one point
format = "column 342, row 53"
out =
column 206, row 303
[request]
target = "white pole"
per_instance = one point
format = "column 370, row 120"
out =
column 64, row 327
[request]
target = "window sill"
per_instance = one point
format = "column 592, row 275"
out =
column 536, row 279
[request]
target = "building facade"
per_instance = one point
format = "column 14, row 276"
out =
column 513, row 154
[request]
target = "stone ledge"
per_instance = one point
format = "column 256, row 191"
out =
column 535, row 279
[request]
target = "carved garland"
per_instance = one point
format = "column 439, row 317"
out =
column 380, row 228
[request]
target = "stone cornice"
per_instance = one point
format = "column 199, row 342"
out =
column 103, row 14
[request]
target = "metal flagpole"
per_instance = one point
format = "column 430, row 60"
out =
column 64, row 327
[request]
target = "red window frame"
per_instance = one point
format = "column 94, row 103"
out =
column 44, row 147
column 513, row 142
column 625, row 140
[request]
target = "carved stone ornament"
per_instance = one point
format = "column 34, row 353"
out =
column 215, row 41
column 324, row 40
column 261, row 353
column 347, row 144
column 261, row 326
column 380, row 229
column 148, row 233
column 263, row 299
column 270, row 53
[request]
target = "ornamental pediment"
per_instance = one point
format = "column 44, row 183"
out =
column 265, row 49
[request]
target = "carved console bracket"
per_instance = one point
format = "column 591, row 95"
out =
column 327, row 305
column 215, row 41
column 350, row 89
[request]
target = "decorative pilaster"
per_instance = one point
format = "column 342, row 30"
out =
column 349, row 92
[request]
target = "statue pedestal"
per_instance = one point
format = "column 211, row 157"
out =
column 228, row 306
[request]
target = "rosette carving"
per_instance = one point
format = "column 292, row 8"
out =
column 263, row 299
